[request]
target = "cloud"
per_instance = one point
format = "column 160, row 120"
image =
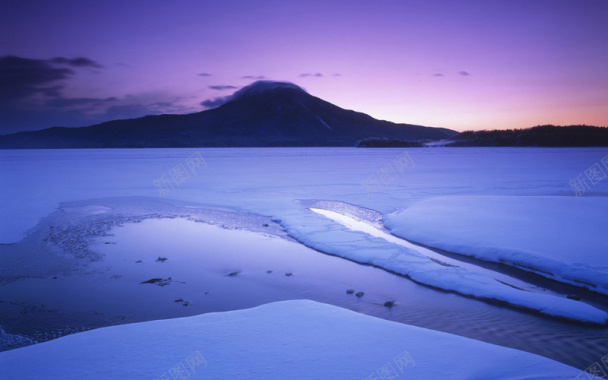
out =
column 143, row 104
column 438, row 75
column 53, row 91
column 204, row 75
column 253, row 88
column 23, row 77
column 216, row 102
column 318, row 75
column 79, row 112
column 464, row 73
column 162, row 104
column 223, row 87
column 17, row 119
column 139, row 106
column 77, row 62
column 34, row 94
column 253, row 77
column 127, row 111
column 169, row 107
column 61, row 102
column 337, row 75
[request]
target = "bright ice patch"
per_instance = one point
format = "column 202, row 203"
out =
column 315, row 231
column 442, row 259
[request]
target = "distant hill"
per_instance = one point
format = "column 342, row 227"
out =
column 388, row 143
column 264, row 114
column 543, row 136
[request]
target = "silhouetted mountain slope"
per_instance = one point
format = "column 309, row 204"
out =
column 544, row 136
column 262, row 114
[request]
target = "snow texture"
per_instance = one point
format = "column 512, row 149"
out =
column 283, row 340
column 262, row 86
column 269, row 181
column 562, row 238
column 315, row 231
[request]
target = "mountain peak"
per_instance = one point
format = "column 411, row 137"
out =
column 264, row 113
column 255, row 88
column 263, row 86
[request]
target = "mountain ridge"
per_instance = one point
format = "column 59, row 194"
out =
column 263, row 114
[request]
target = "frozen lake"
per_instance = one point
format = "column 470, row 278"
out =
column 268, row 180
column 109, row 209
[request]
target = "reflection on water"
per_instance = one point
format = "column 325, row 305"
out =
column 204, row 254
column 209, row 269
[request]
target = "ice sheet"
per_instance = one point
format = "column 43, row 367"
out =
column 267, row 180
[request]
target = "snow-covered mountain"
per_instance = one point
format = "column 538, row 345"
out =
column 262, row 114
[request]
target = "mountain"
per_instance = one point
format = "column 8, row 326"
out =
column 542, row 135
column 263, row 114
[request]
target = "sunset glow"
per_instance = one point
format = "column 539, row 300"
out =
column 459, row 65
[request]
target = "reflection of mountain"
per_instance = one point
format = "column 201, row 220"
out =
column 262, row 114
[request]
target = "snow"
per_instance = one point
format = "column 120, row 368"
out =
column 285, row 340
column 358, row 225
column 264, row 85
column 563, row 238
column 252, row 89
column 372, row 250
column 317, row 116
column 268, row 180
column 544, row 226
column 271, row 181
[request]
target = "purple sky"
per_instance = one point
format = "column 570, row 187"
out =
column 454, row 64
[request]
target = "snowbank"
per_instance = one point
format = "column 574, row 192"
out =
column 562, row 238
column 320, row 233
column 284, row 340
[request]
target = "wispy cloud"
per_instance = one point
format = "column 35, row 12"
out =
column 438, row 75
column 77, row 62
column 61, row 102
column 318, row 75
column 216, row 102
column 204, row 75
column 258, row 77
column 464, row 73
column 223, row 87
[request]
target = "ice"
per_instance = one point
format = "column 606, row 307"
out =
column 268, row 180
column 284, row 340
column 276, row 181
column 442, row 259
column 10, row 341
column 562, row 238
column 315, row 231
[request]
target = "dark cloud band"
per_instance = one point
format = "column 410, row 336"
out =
column 21, row 78
column 223, row 87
